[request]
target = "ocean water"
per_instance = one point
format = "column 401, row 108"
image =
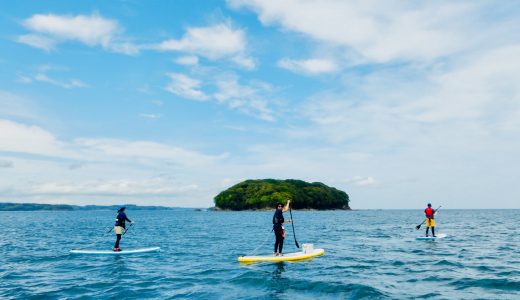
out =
column 370, row 254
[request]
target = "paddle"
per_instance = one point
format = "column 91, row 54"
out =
column 126, row 229
column 292, row 223
column 419, row 226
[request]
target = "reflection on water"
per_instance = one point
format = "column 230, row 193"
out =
column 278, row 283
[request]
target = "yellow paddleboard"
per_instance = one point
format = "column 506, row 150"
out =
column 286, row 257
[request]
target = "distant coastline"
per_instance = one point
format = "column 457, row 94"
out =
column 10, row 206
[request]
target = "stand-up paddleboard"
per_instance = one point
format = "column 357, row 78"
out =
column 110, row 252
column 286, row 257
column 431, row 238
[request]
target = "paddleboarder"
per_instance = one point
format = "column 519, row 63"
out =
column 120, row 226
column 279, row 230
column 429, row 212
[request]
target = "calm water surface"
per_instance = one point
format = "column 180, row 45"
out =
column 369, row 255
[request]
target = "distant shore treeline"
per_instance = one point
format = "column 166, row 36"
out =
column 67, row 207
column 265, row 193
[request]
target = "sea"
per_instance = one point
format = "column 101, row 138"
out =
column 369, row 254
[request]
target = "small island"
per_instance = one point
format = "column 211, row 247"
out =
column 266, row 193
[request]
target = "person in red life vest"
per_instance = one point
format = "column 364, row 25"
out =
column 430, row 221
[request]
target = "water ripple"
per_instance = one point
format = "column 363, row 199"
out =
column 369, row 255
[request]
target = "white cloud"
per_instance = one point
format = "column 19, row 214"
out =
column 122, row 187
column 190, row 60
column 12, row 105
column 37, row 41
column 185, row 86
column 122, row 169
column 91, row 30
column 42, row 76
column 245, row 62
column 382, row 32
column 150, row 116
column 250, row 99
column 213, row 42
column 425, row 128
column 72, row 83
column 361, row 181
column 479, row 92
column 158, row 103
column 125, row 48
column 142, row 150
column 482, row 86
column 23, row 138
column 309, row 66
column 23, row 79
column 247, row 99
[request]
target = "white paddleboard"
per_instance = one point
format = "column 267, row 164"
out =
column 286, row 257
column 431, row 238
column 110, row 252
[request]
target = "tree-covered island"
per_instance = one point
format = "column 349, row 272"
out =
column 265, row 193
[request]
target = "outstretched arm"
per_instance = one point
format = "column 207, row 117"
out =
column 286, row 208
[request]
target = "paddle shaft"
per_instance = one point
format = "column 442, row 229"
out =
column 294, row 233
column 126, row 229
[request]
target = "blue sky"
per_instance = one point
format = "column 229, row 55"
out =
column 169, row 102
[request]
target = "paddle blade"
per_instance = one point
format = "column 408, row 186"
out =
column 418, row 227
column 296, row 242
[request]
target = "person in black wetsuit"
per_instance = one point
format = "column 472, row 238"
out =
column 279, row 231
column 120, row 226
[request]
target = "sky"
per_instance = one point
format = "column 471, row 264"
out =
column 397, row 103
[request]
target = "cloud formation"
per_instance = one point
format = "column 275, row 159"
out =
column 150, row 116
column 31, row 139
column 219, row 41
column 189, row 60
column 42, row 75
column 98, row 167
column 123, row 187
column 249, row 99
column 48, row 30
column 185, row 86
column 370, row 31
column 308, row 66
column 212, row 42
column 361, row 181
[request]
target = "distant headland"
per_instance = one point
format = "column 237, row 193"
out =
column 66, row 207
column 266, row 193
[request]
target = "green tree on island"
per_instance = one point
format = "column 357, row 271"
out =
column 265, row 193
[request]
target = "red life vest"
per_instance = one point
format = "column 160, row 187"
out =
column 429, row 212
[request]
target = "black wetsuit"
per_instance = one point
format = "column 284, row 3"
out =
column 277, row 228
column 120, row 221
